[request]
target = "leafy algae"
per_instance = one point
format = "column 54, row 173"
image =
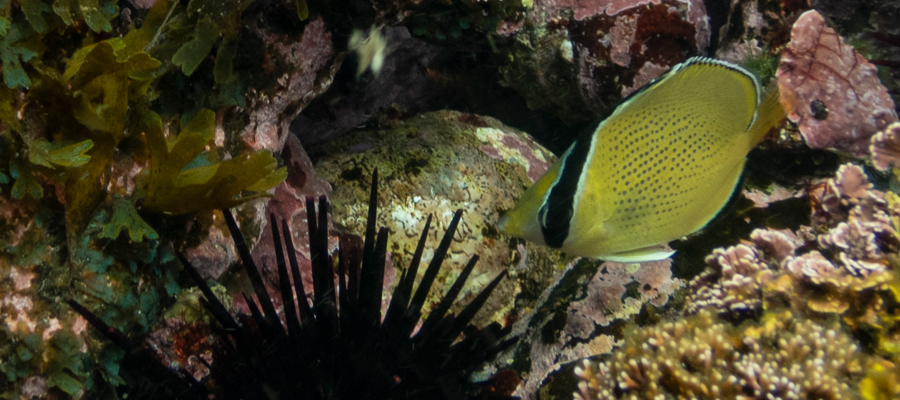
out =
column 88, row 153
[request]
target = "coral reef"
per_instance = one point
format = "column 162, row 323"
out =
column 839, row 265
column 830, row 91
column 700, row 357
column 126, row 125
column 760, row 318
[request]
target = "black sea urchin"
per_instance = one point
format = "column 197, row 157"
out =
column 340, row 347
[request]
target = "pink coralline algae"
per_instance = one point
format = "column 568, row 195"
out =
column 813, row 266
column 856, row 230
column 830, row 91
column 762, row 199
column 777, row 244
column 734, row 281
column 836, row 266
column 602, row 300
column 213, row 256
column 885, row 147
column 606, row 290
column 848, row 194
column 514, row 148
column 629, row 35
column 869, row 212
column 587, row 9
column 857, row 244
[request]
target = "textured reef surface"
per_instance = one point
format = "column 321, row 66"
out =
column 434, row 164
column 128, row 126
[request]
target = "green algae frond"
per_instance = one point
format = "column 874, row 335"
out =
column 181, row 169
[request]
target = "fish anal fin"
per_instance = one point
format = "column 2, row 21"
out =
column 644, row 254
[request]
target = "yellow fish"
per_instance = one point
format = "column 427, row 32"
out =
column 659, row 168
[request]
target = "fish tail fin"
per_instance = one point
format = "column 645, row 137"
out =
column 769, row 115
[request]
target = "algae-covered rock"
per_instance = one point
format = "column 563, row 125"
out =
column 434, row 164
column 577, row 59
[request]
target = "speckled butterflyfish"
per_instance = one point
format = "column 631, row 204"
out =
column 659, row 168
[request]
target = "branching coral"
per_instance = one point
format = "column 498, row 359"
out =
column 734, row 283
column 843, row 265
column 702, row 358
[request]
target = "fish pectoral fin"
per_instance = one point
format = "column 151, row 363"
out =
column 651, row 253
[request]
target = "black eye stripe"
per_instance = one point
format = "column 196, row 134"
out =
column 555, row 215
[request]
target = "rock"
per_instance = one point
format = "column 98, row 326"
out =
column 289, row 203
column 577, row 59
column 436, row 163
column 306, row 67
column 830, row 91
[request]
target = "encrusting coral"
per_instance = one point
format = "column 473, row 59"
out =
column 703, row 358
column 342, row 346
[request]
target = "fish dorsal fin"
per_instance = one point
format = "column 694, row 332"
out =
column 769, row 115
column 711, row 84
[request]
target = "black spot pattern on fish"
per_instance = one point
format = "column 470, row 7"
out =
column 656, row 159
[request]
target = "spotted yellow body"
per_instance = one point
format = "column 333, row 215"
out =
column 659, row 168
